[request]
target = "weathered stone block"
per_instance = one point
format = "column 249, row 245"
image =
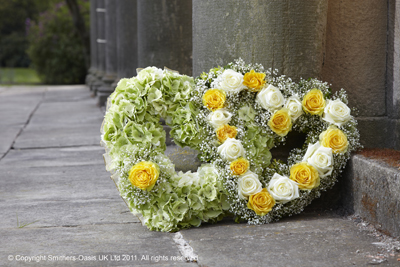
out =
column 374, row 131
column 127, row 38
column 372, row 190
column 288, row 35
column 165, row 34
column 355, row 57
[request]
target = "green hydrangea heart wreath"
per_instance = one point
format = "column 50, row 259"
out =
column 233, row 116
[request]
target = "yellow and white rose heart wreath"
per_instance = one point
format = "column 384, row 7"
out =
column 233, row 116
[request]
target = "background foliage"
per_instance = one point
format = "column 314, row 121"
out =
column 55, row 47
column 13, row 18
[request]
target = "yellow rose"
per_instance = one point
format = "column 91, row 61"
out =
column 225, row 132
column 214, row 99
column 305, row 175
column 335, row 139
column 261, row 202
column 254, row 81
column 314, row 102
column 239, row 166
column 144, row 175
column 281, row 122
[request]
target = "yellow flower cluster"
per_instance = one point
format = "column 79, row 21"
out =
column 226, row 131
column 335, row 139
column 239, row 166
column 214, row 99
column 281, row 122
column 144, row 175
column 261, row 203
column 314, row 102
column 305, row 175
column 254, row 81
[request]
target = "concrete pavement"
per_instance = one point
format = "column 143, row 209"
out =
column 60, row 208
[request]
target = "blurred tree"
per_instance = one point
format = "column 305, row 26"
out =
column 80, row 26
column 55, row 46
column 15, row 17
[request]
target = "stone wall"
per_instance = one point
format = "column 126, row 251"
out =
column 351, row 44
column 128, row 34
column 359, row 56
column 283, row 34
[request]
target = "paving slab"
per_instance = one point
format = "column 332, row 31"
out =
column 54, row 178
column 59, row 124
column 65, row 213
column 54, row 157
column 67, row 93
column 56, row 183
column 4, row 88
column 91, row 245
column 16, row 107
column 8, row 135
column 302, row 240
column 17, row 104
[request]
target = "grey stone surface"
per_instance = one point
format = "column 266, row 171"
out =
column 305, row 240
column 91, row 77
column 280, row 34
column 355, row 58
column 16, row 107
column 93, row 35
column 111, row 58
column 100, row 40
column 62, row 124
column 17, row 104
column 127, row 38
column 111, row 37
column 372, row 190
column 185, row 159
column 56, row 183
column 67, row 93
column 165, row 34
column 393, row 71
column 63, row 213
column 8, row 134
column 54, row 157
column 375, row 131
column 89, row 240
column 61, row 202
column 169, row 140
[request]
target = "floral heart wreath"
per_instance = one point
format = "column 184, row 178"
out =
column 233, row 116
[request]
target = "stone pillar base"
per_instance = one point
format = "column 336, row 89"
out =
column 91, row 78
column 106, row 89
column 97, row 81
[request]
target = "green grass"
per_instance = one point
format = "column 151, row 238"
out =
column 24, row 224
column 18, row 76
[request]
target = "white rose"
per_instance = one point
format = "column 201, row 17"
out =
column 282, row 189
column 231, row 149
column 270, row 98
column 336, row 112
column 294, row 106
column 231, row 81
column 248, row 184
column 219, row 117
column 320, row 158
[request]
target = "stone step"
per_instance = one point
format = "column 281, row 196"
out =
column 371, row 189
